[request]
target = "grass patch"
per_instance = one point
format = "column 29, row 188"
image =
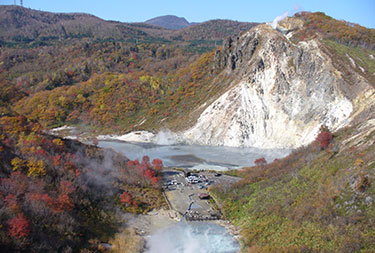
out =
column 361, row 56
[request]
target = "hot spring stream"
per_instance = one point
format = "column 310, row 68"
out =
column 193, row 237
column 189, row 237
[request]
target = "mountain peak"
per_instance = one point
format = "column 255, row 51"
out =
column 169, row 21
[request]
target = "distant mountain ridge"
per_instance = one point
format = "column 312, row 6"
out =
column 24, row 26
column 169, row 22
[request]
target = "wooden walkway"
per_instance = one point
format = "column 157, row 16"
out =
column 195, row 216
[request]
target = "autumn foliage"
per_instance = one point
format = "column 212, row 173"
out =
column 158, row 164
column 150, row 173
column 126, row 199
column 324, row 138
column 260, row 162
column 55, row 192
column 338, row 30
column 19, row 226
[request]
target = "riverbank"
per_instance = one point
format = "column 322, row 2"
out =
column 146, row 224
column 231, row 228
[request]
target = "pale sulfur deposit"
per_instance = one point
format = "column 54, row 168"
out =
column 283, row 94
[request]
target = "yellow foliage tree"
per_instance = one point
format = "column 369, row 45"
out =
column 18, row 164
column 58, row 142
column 154, row 82
column 36, row 168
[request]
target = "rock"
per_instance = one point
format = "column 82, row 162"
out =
column 283, row 93
column 104, row 247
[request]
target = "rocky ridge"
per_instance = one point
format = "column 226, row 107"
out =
column 282, row 94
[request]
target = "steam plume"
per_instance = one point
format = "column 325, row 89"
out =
column 278, row 19
column 296, row 8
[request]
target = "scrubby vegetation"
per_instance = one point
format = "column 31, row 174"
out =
column 338, row 30
column 316, row 199
column 348, row 58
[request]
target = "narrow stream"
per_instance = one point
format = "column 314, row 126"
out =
column 193, row 237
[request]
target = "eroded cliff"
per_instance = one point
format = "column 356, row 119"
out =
column 283, row 92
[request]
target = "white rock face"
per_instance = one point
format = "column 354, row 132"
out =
column 136, row 136
column 285, row 94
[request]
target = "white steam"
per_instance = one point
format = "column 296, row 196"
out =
column 278, row 19
column 166, row 137
column 193, row 238
column 296, row 8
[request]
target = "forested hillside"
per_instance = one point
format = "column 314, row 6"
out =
column 117, row 91
column 97, row 79
column 61, row 195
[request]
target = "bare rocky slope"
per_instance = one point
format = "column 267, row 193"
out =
column 283, row 92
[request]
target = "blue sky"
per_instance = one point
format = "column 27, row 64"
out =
column 357, row 11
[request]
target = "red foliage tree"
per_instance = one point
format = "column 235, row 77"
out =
column 15, row 184
column 133, row 164
column 63, row 203
column 323, row 139
column 126, row 199
column 149, row 173
column 146, row 159
column 42, row 198
column 154, row 180
column 77, row 173
column 152, row 177
column 19, row 227
column 66, row 187
column 57, row 160
column 158, row 164
column 41, row 152
column 11, row 202
column 37, row 197
column 260, row 162
column 70, row 73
